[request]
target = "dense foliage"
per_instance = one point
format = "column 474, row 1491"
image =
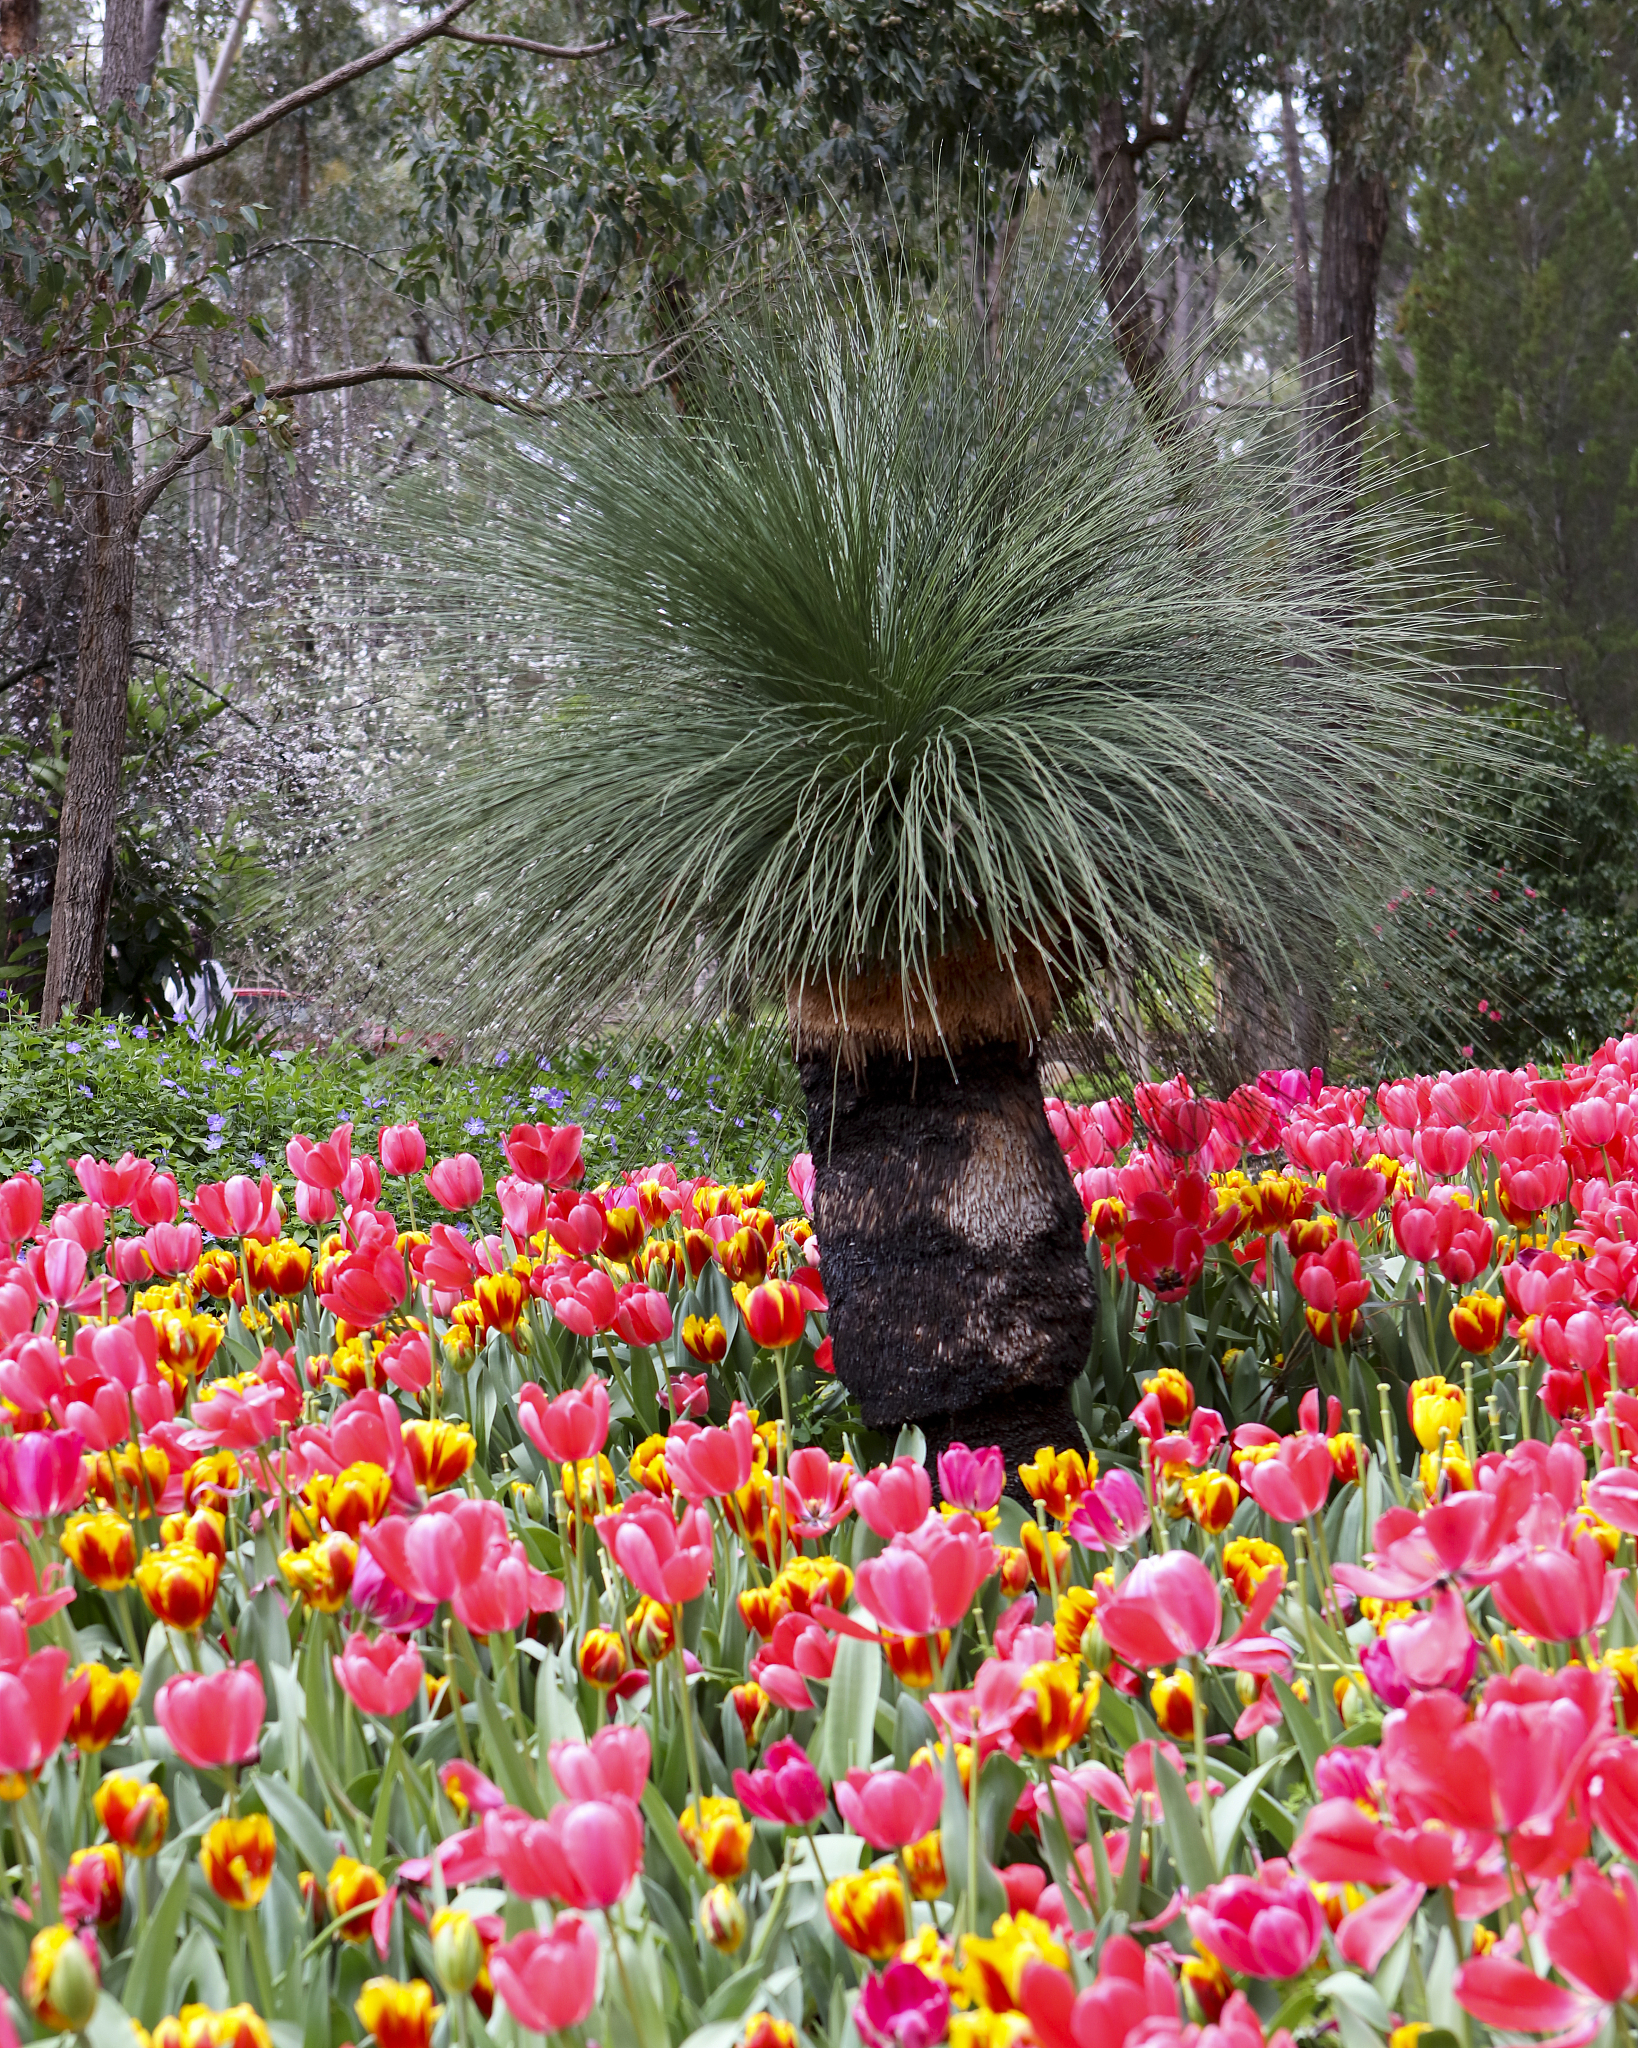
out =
column 1539, row 948
column 491, row 1627
column 191, row 1103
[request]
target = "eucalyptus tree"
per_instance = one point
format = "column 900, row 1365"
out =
column 905, row 687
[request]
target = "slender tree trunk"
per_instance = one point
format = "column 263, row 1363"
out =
column 83, row 889
column 1296, row 187
column 1139, row 323
column 961, row 1297
column 1356, row 227
column 85, row 841
column 19, row 27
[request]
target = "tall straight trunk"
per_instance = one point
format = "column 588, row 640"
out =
column 1139, row 324
column 19, row 27
column 961, row 1295
column 1350, row 269
column 1296, row 190
column 83, row 889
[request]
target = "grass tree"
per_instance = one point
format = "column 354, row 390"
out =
column 903, row 682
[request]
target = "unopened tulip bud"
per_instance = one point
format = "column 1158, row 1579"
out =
column 60, row 1982
column 1095, row 1649
column 722, row 1919
column 457, row 1950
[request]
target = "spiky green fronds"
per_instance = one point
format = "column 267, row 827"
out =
column 898, row 641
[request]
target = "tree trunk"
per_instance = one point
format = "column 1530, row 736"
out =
column 1296, row 190
column 1140, row 328
column 90, row 809
column 83, row 888
column 19, row 27
column 1356, row 227
column 961, row 1298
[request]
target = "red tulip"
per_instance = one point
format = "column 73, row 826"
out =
column 541, row 1153
column 156, row 1200
column 213, row 1720
column 1354, row 1191
column 382, row 1677
column 775, row 1315
column 1133, row 1987
column 548, row 1982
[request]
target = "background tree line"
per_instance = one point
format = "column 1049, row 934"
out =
column 261, row 259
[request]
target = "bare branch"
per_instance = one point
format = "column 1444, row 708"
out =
column 292, row 102
column 1150, row 131
column 385, row 372
column 565, row 51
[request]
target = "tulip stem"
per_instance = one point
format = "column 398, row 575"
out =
column 687, row 1719
column 1390, row 1440
column 972, row 1836
column 258, row 1961
column 620, row 1965
column 1199, row 1704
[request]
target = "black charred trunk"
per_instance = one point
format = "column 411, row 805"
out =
column 961, row 1298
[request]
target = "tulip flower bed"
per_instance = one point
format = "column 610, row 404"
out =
column 450, row 1605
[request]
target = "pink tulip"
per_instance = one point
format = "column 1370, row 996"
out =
column 114, row 1184
column 503, row 1592
column 1111, row 1514
column 1509, row 1996
column 456, row 1183
column 786, row 1789
column 569, row 1429
column 216, row 1719
column 156, row 1200
column 1426, row 1653
column 925, row 1582
column 323, row 1165
column 128, row 1261
column 616, row 1760
column 706, row 1464
column 1554, row 1593
column 540, row 1152
column 1612, row 1793
column 894, row 1499
column 1166, row 1607
column 667, row 1560
column 583, row 1297
column 903, row 2008
column 891, row 1809
column 1293, row 1484
column 403, row 1150
column 238, row 1207
column 522, row 1206
column 817, row 1493
column 642, row 1315
column 173, row 1248
column 586, row 1852
column 365, row 1290
column 37, row 1702
column 972, row 1480
column 801, row 1179
column 1354, row 1191
column 1133, row 1989
column 21, row 1201
column 1591, row 1937
column 548, row 1981
column 382, row 1677
column 42, row 1474
column 1270, row 1925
